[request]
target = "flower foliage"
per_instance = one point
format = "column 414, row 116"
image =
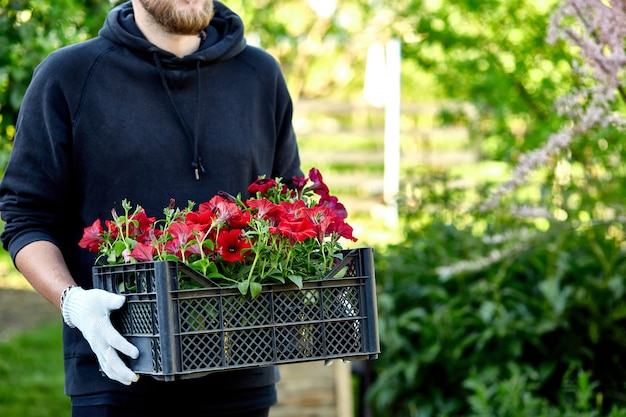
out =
column 280, row 234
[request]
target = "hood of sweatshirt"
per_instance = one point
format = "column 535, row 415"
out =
column 221, row 40
column 224, row 36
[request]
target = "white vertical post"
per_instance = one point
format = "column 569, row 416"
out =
column 391, row 180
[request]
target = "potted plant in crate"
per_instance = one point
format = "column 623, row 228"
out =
column 197, row 279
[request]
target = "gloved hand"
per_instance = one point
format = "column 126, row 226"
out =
column 89, row 311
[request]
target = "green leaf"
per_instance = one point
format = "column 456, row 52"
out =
column 296, row 279
column 341, row 273
column 111, row 258
column 215, row 275
column 243, row 287
column 255, row 289
column 119, row 247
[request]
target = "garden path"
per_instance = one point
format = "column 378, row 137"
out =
column 23, row 310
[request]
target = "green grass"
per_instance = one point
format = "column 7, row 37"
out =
column 31, row 374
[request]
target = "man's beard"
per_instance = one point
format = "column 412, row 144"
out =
column 179, row 22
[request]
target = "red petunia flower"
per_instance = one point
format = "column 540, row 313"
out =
column 144, row 223
column 262, row 185
column 333, row 203
column 299, row 183
column 318, row 187
column 143, row 252
column 92, row 237
column 322, row 217
column 200, row 222
column 297, row 229
column 288, row 209
column 231, row 244
column 222, row 208
column 264, row 208
column 342, row 229
column 239, row 220
column 111, row 228
column 181, row 234
column 172, row 247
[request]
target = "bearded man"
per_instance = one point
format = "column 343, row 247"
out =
column 168, row 102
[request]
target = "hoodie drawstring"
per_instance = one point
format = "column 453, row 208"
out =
column 196, row 163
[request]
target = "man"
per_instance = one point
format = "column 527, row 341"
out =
column 167, row 102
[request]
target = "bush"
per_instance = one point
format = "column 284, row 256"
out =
column 478, row 317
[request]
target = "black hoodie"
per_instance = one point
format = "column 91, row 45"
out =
column 117, row 118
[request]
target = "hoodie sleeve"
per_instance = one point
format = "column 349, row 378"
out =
column 285, row 150
column 34, row 189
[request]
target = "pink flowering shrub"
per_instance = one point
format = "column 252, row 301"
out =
column 596, row 31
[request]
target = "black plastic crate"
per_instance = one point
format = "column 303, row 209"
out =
column 182, row 334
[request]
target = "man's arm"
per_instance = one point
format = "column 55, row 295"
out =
column 43, row 266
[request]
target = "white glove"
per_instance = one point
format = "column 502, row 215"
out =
column 89, row 311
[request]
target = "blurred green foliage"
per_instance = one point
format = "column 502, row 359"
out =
column 493, row 55
column 30, row 30
column 496, row 316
